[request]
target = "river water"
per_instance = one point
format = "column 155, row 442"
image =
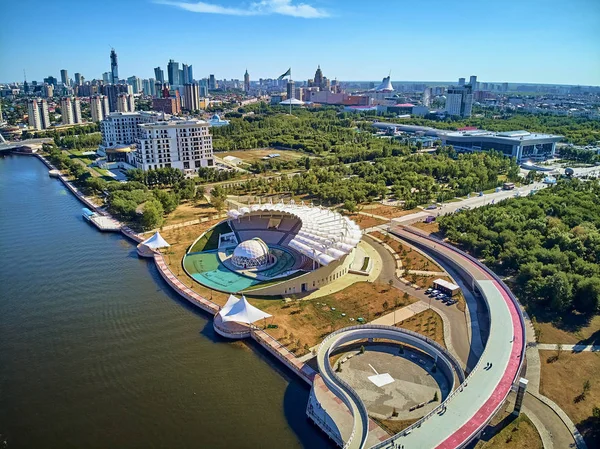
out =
column 96, row 351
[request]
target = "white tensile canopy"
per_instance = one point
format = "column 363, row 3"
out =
column 325, row 235
column 156, row 241
column 241, row 311
column 292, row 101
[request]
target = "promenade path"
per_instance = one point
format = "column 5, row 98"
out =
column 571, row 348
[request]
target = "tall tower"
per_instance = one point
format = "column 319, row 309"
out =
column 319, row 78
column 66, row 108
column 64, row 77
column 159, row 75
column 114, row 67
column 34, row 114
column 173, row 72
column 246, row 81
column 473, row 82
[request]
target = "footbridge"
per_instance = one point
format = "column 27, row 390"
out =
column 443, row 359
column 470, row 407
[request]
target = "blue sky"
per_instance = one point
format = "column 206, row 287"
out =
column 538, row 41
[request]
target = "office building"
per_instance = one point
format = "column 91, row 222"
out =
column 168, row 104
column 504, row 87
column 173, row 72
column 64, row 77
column 290, row 89
column 114, row 67
column 78, row 79
column 182, row 144
column 99, row 107
column 135, row 83
column 212, row 82
column 459, row 101
column 246, row 81
column 461, row 81
column 473, row 82
column 66, row 111
column 159, row 74
column 521, row 145
column 106, row 77
column 51, row 80
column 191, row 98
column 187, row 74
column 112, row 91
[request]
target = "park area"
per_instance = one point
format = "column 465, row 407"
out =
column 571, row 380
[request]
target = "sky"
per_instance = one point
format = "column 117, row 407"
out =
column 530, row 41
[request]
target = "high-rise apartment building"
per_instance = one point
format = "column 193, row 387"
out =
column 106, row 77
column 77, row 118
column 427, row 97
column 246, row 81
column 173, row 72
column 51, row 80
column 159, row 74
column 112, row 91
column 66, row 111
column 461, row 81
column 114, row 67
column 49, row 90
column 459, row 101
column 182, row 144
column 191, row 97
column 125, row 103
column 37, row 110
column 120, row 128
column 99, row 107
column 64, row 77
column 152, row 85
column 185, row 75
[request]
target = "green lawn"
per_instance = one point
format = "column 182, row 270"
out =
column 210, row 240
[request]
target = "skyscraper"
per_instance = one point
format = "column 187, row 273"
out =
column 77, row 118
column 159, row 74
column 473, row 82
column 185, row 75
column 212, row 83
column 33, row 111
column 78, row 79
column 64, row 77
column 318, row 81
column 246, row 81
column 136, row 84
column 99, row 107
column 459, row 101
column 190, row 74
column 290, row 90
column 427, row 97
column 106, row 77
column 173, row 72
column 114, row 67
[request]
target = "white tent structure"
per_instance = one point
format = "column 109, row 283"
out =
column 156, row 241
column 291, row 102
column 241, row 311
column 325, row 235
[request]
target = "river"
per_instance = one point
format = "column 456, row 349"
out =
column 96, row 351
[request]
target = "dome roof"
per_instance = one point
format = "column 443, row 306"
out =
column 216, row 117
column 251, row 249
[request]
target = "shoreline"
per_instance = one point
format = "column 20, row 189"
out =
column 272, row 345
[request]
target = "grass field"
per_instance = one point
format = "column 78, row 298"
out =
column 250, row 156
column 571, row 330
column 509, row 433
column 563, row 381
column 429, row 228
column 189, row 211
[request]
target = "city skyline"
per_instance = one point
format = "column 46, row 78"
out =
column 542, row 47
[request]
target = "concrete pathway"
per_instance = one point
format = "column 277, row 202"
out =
column 571, row 348
column 401, row 314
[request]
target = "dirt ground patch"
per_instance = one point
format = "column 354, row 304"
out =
column 388, row 211
column 189, row 211
column 511, row 433
column 588, row 333
column 411, row 258
column 394, row 426
column 429, row 228
column 563, row 380
column 427, row 323
column 311, row 320
column 254, row 155
column 365, row 221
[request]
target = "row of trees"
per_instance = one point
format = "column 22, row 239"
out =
column 78, row 141
column 549, row 244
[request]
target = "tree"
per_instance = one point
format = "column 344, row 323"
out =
column 435, row 397
column 587, row 296
column 152, row 217
column 386, row 305
column 350, row 206
column 218, row 203
column 362, row 349
column 559, row 291
column 559, row 349
column 169, row 200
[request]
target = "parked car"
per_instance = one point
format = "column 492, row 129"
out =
column 432, row 207
column 435, row 292
column 429, row 290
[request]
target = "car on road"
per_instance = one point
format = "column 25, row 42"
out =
column 431, row 207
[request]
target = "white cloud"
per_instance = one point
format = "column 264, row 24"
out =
column 262, row 7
